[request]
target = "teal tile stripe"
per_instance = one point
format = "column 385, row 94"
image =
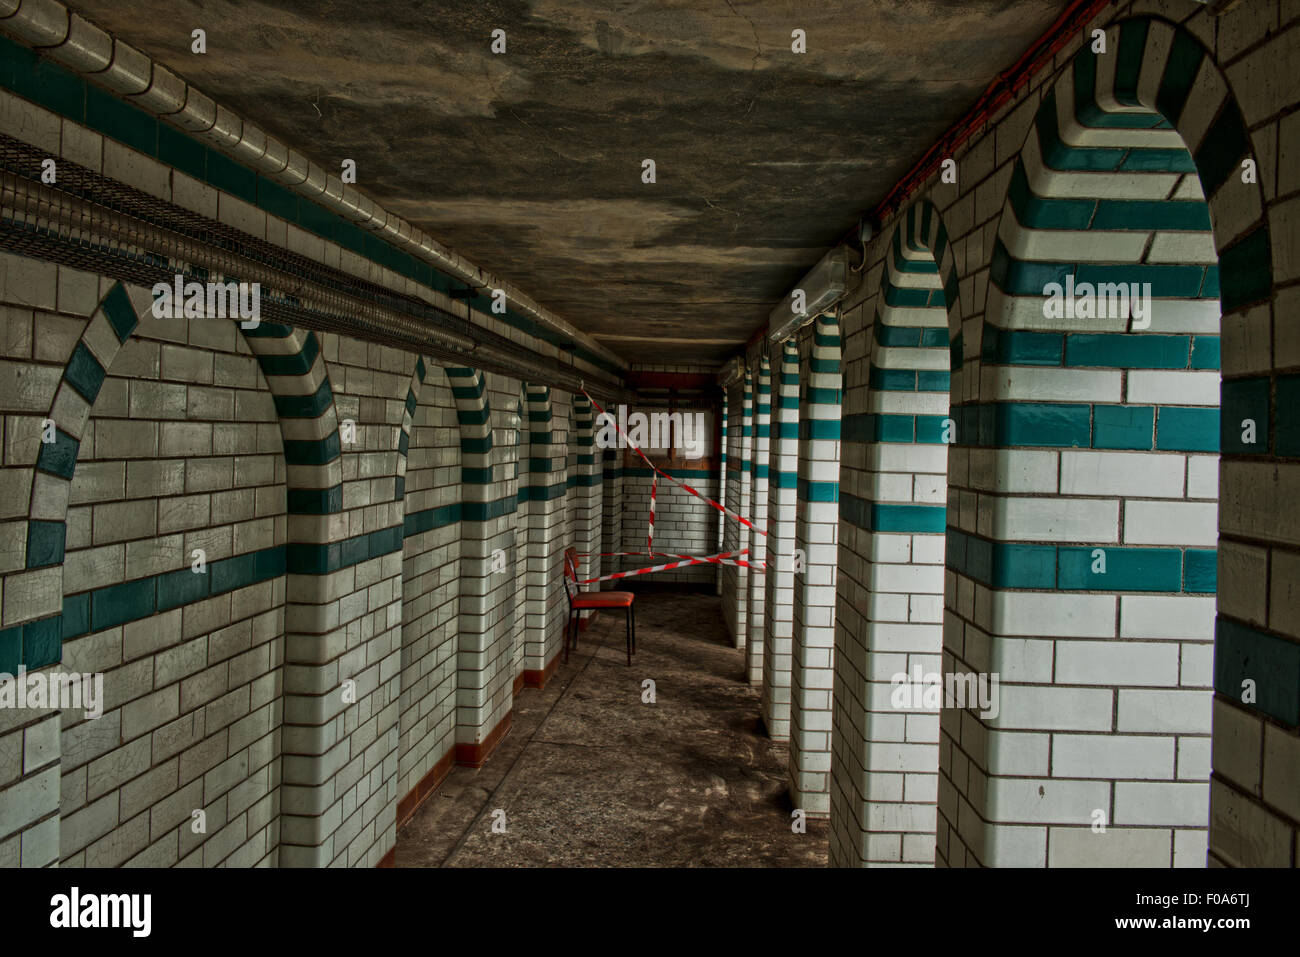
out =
column 913, row 337
column 892, row 517
column 431, row 518
column 1058, row 155
column 908, row 380
column 1271, row 406
column 1015, row 565
column 537, row 464
column 808, row 490
column 84, row 373
column 118, row 604
column 909, row 297
column 33, row 645
column 487, row 511
column 1082, row 426
column 542, row 493
column 38, row 644
column 60, row 456
column 1028, row 278
column 1098, row 350
column 870, row 427
column 1270, row 662
column 819, row 429
column 63, row 92
column 45, row 543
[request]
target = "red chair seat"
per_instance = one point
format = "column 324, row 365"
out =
column 602, row 599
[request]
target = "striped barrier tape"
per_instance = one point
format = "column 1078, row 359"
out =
column 650, row 535
column 722, row 558
column 660, row 472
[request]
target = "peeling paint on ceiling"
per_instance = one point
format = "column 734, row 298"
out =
column 530, row 162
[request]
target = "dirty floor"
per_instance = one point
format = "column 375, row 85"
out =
column 590, row 776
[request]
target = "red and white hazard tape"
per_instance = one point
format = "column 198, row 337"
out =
column 660, row 472
column 650, row 535
column 722, row 558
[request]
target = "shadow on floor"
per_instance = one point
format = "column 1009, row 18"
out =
column 589, row 776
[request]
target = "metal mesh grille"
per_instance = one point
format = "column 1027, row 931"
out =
column 90, row 222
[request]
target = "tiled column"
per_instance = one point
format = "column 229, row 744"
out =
column 816, row 533
column 783, row 480
column 758, row 515
column 342, row 636
column 892, row 500
column 484, row 679
column 1081, row 541
column 735, row 587
column 587, row 489
column 430, row 587
column 38, row 478
column 546, row 499
column 612, row 505
column 510, row 452
column 722, row 486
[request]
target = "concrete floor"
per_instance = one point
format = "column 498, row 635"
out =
column 591, row 776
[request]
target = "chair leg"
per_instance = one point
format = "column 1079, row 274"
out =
column 631, row 610
column 568, row 624
column 629, row 634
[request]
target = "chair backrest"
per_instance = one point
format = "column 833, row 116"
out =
column 570, row 574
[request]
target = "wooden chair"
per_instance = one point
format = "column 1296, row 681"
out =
column 581, row 600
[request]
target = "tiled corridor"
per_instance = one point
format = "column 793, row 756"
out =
column 929, row 369
column 590, row 775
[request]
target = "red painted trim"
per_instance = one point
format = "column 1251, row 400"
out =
column 476, row 755
column 672, row 380
column 518, row 686
column 538, row 679
column 389, row 859
column 408, row 805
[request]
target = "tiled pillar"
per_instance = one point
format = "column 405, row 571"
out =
column 510, row 451
column 430, row 483
column 816, row 534
column 758, row 515
column 722, row 486
column 313, row 702
column 484, row 679
column 893, row 491
column 587, row 489
column 546, row 501
column 783, row 480
column 612, row 505
column 342, row 614
column 1081, row 541
column 39, row 475
column 735, row 588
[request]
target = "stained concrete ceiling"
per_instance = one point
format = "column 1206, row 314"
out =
column 530, row 162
